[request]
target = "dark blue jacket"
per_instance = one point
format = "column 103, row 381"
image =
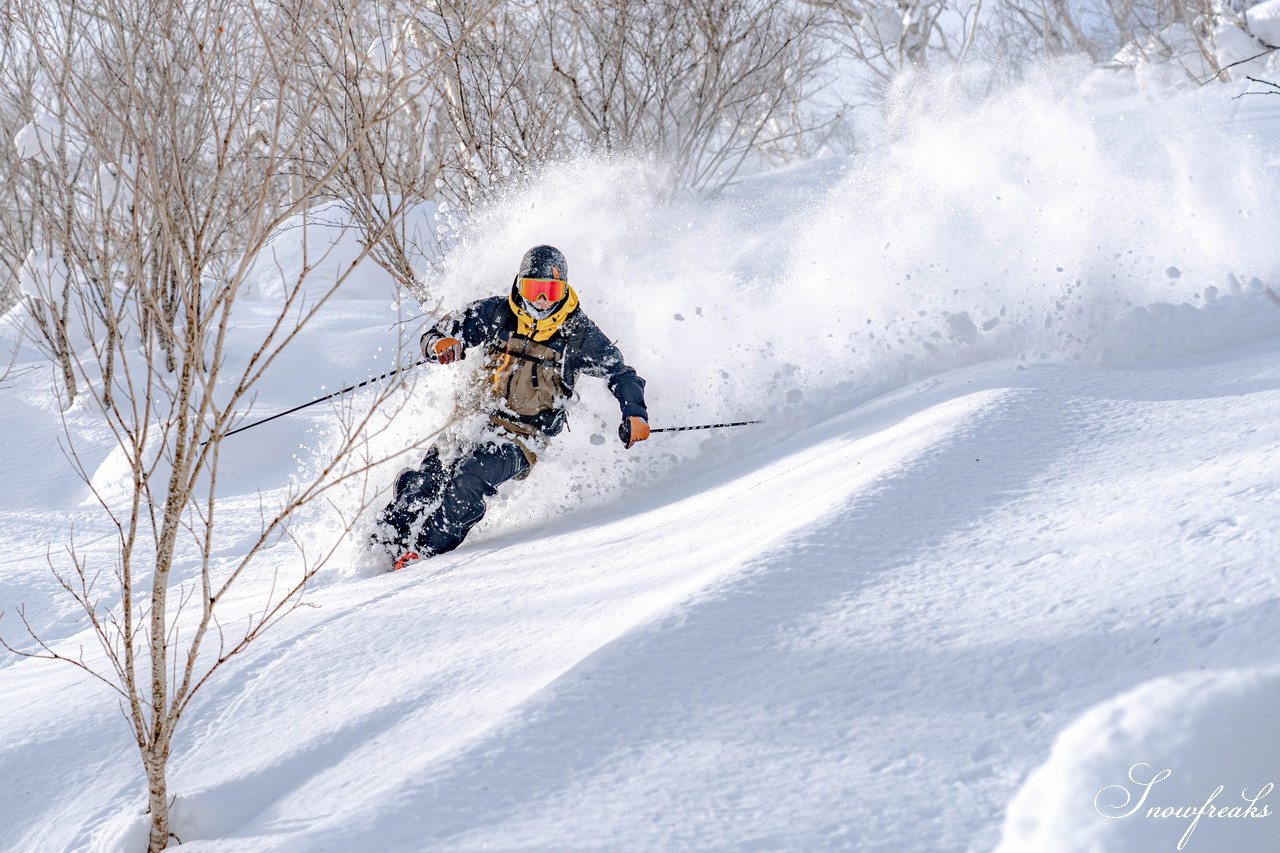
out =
column 582, row 346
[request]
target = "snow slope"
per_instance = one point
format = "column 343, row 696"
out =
column 968, row 575
column 860, row 640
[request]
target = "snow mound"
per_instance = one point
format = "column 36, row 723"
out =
column 1187, row 762
column 1238, row 52
column 42, row 138
column 1264, row 22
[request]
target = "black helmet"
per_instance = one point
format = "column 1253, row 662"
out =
column 544, row 262
column 541, row 262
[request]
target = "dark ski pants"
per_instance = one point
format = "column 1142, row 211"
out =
column 454, row 498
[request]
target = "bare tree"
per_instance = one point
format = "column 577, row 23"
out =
column 888, row 39
column 497, row 108
column 182, row 130
column 698, row 86
column 40, row 146
column 1186, row 36
column 1197, row 40
column 386, row 167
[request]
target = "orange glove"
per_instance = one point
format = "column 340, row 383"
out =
column 633, row 429
column 447, row 350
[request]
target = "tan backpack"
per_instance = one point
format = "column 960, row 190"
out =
column 526, row 376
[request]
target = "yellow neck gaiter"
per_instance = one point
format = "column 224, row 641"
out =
column 540, row 330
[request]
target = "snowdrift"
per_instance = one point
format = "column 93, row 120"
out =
column 1205, row 780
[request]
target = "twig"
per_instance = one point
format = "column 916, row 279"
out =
column 1234, row 64
column 1261, row 82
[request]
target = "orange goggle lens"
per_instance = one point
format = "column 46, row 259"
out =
column 533, row 289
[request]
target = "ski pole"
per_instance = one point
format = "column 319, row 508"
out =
column 704, row 426
column 327, row 397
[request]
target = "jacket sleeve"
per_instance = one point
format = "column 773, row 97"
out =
column 601, row 357
column 472, row 325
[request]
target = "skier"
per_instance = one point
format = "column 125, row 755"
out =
column 536, row 341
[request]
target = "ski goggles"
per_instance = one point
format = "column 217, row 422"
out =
column 533, row 289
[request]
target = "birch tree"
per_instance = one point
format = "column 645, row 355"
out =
column 180, row 141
